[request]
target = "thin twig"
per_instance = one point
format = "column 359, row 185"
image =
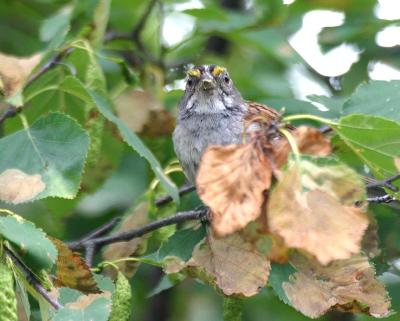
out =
column 167, row 198
column 53, row 62
column 142, row 22
column 386, row 183
column 11, row 111
column 96, row 233
column 381, row 199
column 98, row 242
column 89, row 255
column 134, row 35
column 32, row 280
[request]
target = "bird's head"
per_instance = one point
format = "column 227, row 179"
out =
column 209, row 89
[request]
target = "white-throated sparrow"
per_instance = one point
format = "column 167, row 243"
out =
column 211, row 112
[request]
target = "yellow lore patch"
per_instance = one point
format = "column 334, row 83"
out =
column 194, row 73
column 218, row 70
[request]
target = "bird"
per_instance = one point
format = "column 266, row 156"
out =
column 212, row 112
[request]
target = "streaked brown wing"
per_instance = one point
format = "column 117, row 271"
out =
column 257, row 110
column 261, row 114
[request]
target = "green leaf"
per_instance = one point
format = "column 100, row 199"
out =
column 334, row 105
column 135, row 142
column 47, row 158
column 167, row 281
column 295, row 106
column 182, row 243
column 29, row 242
column 215, row 19
column 98, row 310
column 56, row 27
column 104, row 283
column 68, row 295
column 379, row 98
column 280, row 273
column 375, row 140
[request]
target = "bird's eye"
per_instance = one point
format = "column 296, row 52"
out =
column 226, row 79
column 190, row 82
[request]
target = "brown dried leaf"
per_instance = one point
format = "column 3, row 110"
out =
column 115, row 251
column 279, row 252
column 309, row 141
column 232, row 263
column 85, row 300
column 313, row 220
column 14, row 71
column 144, row 114
column 72, row 270
column 18, row 187
column 231, row 181
column 349, row 283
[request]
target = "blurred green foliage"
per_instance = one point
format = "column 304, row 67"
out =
column 130, row 59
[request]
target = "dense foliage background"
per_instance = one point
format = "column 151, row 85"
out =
column 118, row 67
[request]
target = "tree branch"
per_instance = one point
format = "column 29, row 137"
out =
column 32, row 280
column 13, row 111
column 386, row 183
column 49, row 65
column 134, row 35
column 95, row 243
column 142, row 22
column 167, row 198
column 10, row 112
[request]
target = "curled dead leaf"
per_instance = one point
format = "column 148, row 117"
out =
column 231, row 181
column 14, row 71
column 232, row 264
column 137, row 218
column 309, row 141
column 351, row 283
column 17, row 186
column 72, row 270
column 314, row 220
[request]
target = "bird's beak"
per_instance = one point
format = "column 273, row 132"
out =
column 207, row 84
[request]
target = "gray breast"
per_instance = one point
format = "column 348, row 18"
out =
column 194, row 134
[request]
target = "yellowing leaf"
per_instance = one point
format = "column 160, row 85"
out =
column 231, row 181
column 397, row 163
column 234, row 265
column 72, row 270
column 85, row 300
column 14, row 71
column 315, row 220
column 116, row 251
column 17, row 187
column 347, row 283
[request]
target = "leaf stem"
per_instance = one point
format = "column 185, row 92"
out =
column 310, row 117
column 292, row 143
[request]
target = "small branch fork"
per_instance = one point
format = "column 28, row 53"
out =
column 134, row 35
column 386, row 183
column 90, row 245
column 32, row 280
